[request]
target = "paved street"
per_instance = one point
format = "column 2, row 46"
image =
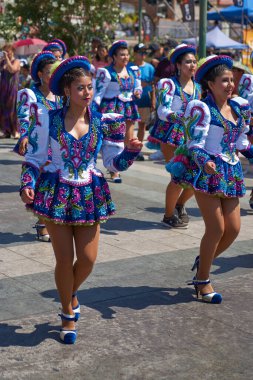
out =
column 139, row 318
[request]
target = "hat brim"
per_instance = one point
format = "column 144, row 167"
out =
column 37, row 60
column 66, row 65
column 62, row 44
column 240, row 66
column 180, row 51
column 53, row 46
column 117, row 45
column 209, row 64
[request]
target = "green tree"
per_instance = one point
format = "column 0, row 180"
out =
column 74, row 21
column 8, row 27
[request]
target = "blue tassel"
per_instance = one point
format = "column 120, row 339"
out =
column 177, row 169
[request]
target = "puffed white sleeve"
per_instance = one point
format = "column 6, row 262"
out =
column 165, row 93
column 25, row 98
column 103, row 79
column 243, row 144
column 246, row 89
column 38, row 143
column 115, row 156
column 197, row 120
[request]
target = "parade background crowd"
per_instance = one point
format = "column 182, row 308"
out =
column 63, row 108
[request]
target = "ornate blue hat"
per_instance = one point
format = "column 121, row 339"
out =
column 64, row 66
column 52, row 46
column 116, row 45
column 44, row 55
column 62, row 44
column 179, row 50
column 208, row 63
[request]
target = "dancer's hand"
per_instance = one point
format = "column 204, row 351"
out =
column 210, row 167
column 23, row 146
column 137, row 94
column 27, row 196
column 134, row 144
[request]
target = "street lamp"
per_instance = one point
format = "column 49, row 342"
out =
column 140, row 20
column 202, row 28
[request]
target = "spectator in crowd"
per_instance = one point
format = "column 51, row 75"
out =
column 101, row 58
column 25, row 78
column 156, row 53
column 144, row 103
column 9, row 78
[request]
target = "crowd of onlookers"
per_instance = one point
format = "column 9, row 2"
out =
column 15, row 75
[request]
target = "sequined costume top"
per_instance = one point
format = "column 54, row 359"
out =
column 171, row 104
column 25, row 98
column 70, row 189
column 211, row 137
column 109, row 85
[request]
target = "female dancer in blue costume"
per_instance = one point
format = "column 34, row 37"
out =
column 27, row 103
column 56, row 48
column 116, row 88
column 173, row 95
column 70, row 193
column 216, row 128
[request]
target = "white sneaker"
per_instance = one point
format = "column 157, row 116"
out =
column 156, row 156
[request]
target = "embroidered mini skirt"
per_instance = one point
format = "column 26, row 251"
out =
column 128, row 109
column 227, row 183
column 63, row 203
column 167, row 132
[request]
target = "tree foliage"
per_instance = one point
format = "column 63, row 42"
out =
column 74, row 21
column 8, row 27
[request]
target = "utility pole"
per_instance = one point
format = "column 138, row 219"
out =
column 202, row 28
column 140, row 20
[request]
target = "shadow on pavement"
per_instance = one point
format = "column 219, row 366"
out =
column 9, row 238
column 9, row 189
column 11, row 162
column 128, row 224
column 226, row 264
column 105, row 299
column 13, row 336
column 160, row 210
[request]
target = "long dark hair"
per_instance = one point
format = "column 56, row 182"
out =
column 101, row 46
column 180, row 60
column 210, row 76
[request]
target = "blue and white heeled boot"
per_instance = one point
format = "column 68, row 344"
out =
column 213, row 297
column 76, row 309
column 67, row 336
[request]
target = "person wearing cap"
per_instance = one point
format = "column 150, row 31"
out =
column 216, row 129
column 173, row 95
column 56, row 49
column 117, row 88
column 156, row 53
column 147, row 78
column 70, row 193
column 27, row 102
